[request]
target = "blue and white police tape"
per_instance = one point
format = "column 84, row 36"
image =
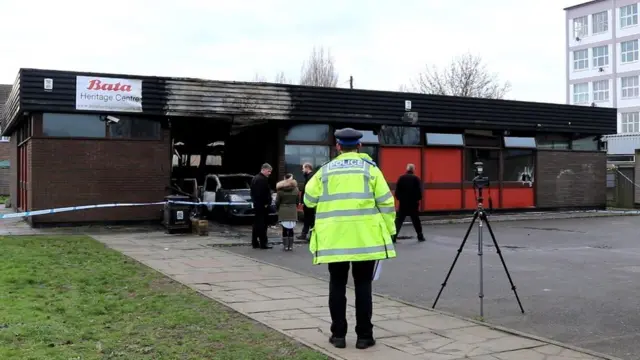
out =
column 114, row 205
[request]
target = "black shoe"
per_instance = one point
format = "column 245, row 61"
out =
column 365, row 343
column 340, row 343
column 255, row 245
column 421, row 238
column 266, row 247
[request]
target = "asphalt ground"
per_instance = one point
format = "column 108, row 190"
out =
column 578, row 279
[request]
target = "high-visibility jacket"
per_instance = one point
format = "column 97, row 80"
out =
column 355, row 211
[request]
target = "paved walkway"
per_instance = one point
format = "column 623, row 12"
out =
column 296, row 305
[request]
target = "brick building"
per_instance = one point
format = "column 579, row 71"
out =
column 88, row 138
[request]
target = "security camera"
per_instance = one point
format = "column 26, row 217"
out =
column 113, row 119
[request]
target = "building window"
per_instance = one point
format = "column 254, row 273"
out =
column 581, row 93
column 630, row 87
column 630, row 122
column 400, row 135
column 581, row 27
column 600, row 22
column 369, row 137
column 490, row 161
column 553, row 142
column 519, row 142
column 601, row 90
column 4, row 139
column 435, row 139
column 296, row 155
column 73, row 125
column 309, row 132
column 518, row 165
column 589, row 143
column 580, row 59
column 629, row 51
column 601, row 56
column 371, row 151
column 135, row 128
column 629, row 15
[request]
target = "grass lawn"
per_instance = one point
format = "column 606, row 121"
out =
column 70, row 297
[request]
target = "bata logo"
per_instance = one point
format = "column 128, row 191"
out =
column 96, row 84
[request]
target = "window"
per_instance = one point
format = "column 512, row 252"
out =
column 371, row 151
column 369, row 137
column 73, row 125
column 629, row 15
column 519, row 142
column 629, row 87
column 600, row 22
column 135, row 128
column 4, row 139
column 630, row 122
column 581, row 93
column 490, row 161
column 580, row 59
column 444, row 139
column 400, row 135
column 601, row 90
column 518, row 165
column 555, row 142
column 481, row 138
column 309, row 132
column 601, row 56
column 233, row 182
column 581, row 27
column 629, row 51
column 296, row 155
column 588, row 143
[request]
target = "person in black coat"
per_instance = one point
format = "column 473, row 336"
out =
column 409, row 194
column 261, row 197
column 309, row 213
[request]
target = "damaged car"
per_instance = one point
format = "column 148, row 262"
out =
column 234, row 188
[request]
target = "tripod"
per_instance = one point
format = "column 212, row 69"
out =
column 481, row 216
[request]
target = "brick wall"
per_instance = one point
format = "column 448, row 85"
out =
column 68, row 172
column 5, row 174
column 13, row 171
column 570, row 179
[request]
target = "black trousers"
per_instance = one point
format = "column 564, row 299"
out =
column 362, row 277
column 259, row 231
column 287, row 232
column 309, row 219
column 412, row 212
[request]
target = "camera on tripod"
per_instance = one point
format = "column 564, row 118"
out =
column 479, row 181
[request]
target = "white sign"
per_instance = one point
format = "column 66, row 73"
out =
column 179, row 215
column 48, row 84
column 407, row 105
column 108, row 94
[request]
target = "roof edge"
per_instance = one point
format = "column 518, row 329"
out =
column 582, row 4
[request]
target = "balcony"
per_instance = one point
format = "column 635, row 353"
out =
column 622, row 144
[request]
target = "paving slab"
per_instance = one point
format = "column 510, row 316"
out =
column 297, row 306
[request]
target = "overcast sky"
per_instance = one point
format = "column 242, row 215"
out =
column 382, row 43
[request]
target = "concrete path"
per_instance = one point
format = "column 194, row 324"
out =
column 296, row 305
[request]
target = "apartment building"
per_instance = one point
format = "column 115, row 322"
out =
column 603, row 67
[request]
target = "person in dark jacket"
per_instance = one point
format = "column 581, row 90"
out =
column 261, row 197
column 287, row 200
column 409, row 194
column 309, row 213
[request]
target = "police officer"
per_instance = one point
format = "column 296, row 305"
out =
column 355, row 213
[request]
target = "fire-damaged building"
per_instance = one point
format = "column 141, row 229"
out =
column 89, row 138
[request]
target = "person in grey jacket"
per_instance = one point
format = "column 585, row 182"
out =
column 287, row 199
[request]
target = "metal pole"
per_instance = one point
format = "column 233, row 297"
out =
column 351, row 82
column 481, row 295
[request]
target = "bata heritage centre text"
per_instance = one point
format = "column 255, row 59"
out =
column 98, row 93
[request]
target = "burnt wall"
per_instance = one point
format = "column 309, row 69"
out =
column 571, row 179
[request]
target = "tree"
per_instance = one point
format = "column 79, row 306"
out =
column 467, row 75
column 319, row 69
column 404, row 88
column 259, row 78
column 281, row 78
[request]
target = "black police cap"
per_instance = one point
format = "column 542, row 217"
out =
column 348, row 136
